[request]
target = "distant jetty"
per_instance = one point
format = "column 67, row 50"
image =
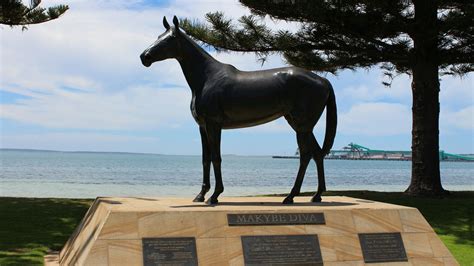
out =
column 355, row 151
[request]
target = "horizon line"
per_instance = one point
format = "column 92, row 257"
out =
column 118, row 152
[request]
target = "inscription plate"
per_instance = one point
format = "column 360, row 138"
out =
column 382, row 247
column 281, row 250
column 169, row 251
column 240, row 219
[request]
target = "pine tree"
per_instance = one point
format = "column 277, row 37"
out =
column 422, row 38
column 15, row 13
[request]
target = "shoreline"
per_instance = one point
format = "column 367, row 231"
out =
column 91, row 191
column 302, row 194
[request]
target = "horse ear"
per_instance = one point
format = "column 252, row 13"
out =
column 176, row 22
column 165, row 23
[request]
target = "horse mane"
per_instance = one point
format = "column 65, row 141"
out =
column 194, row 44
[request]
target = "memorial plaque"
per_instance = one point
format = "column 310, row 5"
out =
column 281, row 250
column 382, row 247
column 240, row 219
column 169, row 251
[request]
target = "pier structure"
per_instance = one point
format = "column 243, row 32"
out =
column 355, row 151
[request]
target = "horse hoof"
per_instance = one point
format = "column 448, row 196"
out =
column 199, row 198
column 316, row 198
column 211, row 201
column 288, row 201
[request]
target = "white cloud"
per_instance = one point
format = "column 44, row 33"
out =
column 457, row 92
column 456, row 98
column 136, row 108
column 83, row 70
column 462, row 119
column 369, row 88
column 376, row 119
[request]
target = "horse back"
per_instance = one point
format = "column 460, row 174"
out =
column 281, row 86
column 241, row 99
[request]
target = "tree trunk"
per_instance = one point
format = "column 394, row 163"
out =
column 425, row 176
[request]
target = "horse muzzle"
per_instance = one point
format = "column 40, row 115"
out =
column 146, row 59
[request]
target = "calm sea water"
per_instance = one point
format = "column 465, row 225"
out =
column 79, row 175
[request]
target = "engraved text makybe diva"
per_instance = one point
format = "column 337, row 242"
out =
column 240, row 219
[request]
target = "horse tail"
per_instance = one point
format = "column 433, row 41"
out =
column 331, row 121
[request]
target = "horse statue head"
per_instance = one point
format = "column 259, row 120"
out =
column 165, row 47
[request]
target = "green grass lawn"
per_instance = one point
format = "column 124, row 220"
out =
column 29, row 228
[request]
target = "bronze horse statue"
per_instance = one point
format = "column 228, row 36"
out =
column 224, row 97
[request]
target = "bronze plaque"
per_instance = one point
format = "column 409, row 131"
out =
column 240, row 219
column 382, row 247
column 169, row 251
column 281, row 250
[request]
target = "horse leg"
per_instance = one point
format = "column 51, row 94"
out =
column 318, row 157
column 303, row 139
column 206, row 166
column 214, row 140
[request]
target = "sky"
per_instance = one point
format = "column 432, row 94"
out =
column 77, row 84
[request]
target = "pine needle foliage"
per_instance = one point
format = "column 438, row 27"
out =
column 334, row 35
column 15, row 13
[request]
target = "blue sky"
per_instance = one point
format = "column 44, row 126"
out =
column 77, row 84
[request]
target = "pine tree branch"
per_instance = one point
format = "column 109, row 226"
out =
column 451, row 4
column 255, row 37
column 348, row 16
column 33, row 5
column 451, row 56
column 14, row 13
column 345, row 34
column 456, row 69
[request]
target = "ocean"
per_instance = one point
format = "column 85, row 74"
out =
column 90, row 174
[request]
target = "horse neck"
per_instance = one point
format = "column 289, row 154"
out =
column 196, row 64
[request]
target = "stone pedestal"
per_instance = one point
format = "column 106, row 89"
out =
column 252, row 231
